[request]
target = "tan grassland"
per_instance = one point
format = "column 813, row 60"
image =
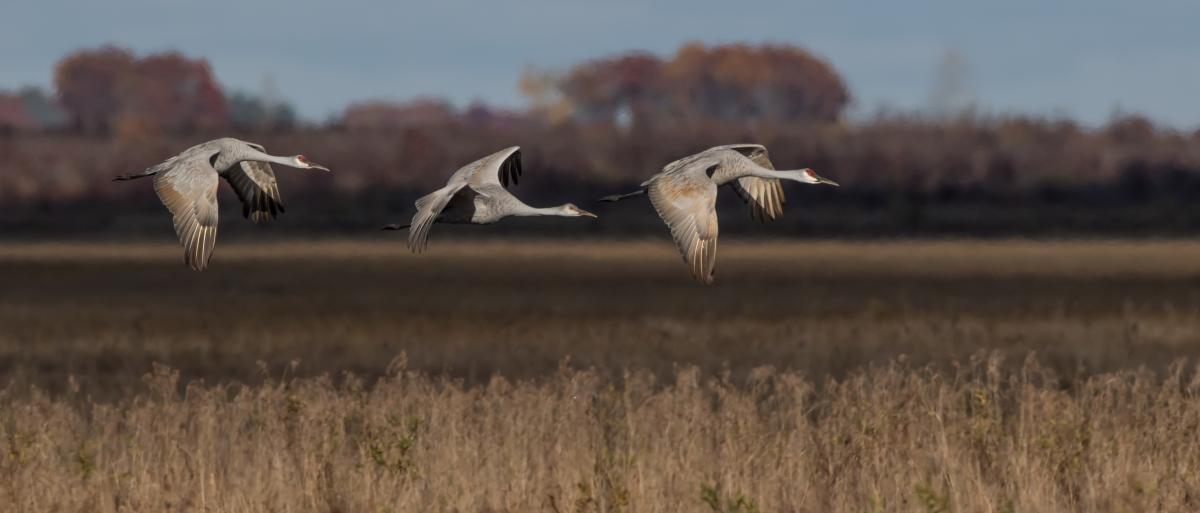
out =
column 347, row 376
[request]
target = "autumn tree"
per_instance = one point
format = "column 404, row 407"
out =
column 174, row 93
column 779, row 83
column 604, row 89
column 91, row 85
column 737, row 82
column 109, row 86
column 546, row 101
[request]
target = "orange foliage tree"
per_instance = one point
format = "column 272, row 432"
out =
column 91, row 84
column 109, row 87
column 737, row 82
column 176, row 93
column 602, row 89
column 741, row 82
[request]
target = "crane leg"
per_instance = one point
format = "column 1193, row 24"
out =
column 134, row 176
column 619, row 197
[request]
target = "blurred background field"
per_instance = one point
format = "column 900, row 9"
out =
column 473, row 308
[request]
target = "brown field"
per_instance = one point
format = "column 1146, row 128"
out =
column 346, row 376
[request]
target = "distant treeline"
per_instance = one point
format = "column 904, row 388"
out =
column 1001, row 177
column 598, row 128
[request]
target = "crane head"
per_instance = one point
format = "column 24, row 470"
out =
column 570, row 210
column 810, row 176
column 302, row 162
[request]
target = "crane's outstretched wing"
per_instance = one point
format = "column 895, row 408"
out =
column 764, row 195
column 499, row 168
column 255, row 184
column 189, row 190
column 686, row 200
column 429, row 207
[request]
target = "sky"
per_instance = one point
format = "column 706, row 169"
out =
column 1065, row 58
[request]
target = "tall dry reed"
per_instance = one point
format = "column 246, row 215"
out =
column 983, row 438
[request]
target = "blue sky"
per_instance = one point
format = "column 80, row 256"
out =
column 1064, row 58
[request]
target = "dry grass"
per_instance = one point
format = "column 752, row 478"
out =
column 828, row 376
column 884, row 439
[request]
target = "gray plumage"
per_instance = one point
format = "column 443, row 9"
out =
column 477, row 194
column 684, row 194
column 187, row 185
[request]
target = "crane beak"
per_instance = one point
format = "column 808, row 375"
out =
column 822, row 179
column 318, row 167
column 585, row 213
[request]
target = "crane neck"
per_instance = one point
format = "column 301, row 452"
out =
column 787, row 174
column 263, row 157
column 528, row 211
